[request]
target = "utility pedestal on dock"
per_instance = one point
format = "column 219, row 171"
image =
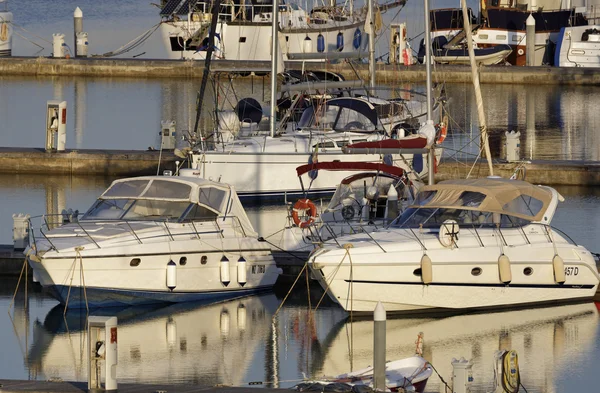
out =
column 102, row 354
column 56, row 125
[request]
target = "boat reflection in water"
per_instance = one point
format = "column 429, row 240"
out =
column 549, row 341
column 238, row 341
column 184, row 342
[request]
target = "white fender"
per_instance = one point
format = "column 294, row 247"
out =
column 171, row 275
column 504, row 269
column 426, row 270
column 559, row 269
column 391, row 208
column 224, row 268
column 241, row 271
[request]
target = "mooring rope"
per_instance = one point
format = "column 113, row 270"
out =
column 82, row 276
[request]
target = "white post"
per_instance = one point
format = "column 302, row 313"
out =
column 102, row 353
column 379, row 319
column 530, row 40
column 77, row 28
column 371, row 22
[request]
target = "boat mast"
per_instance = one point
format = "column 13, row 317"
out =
column 274, row 54
column 431, row 155
column 475, row 76
column 207, row 60
column 371, row 23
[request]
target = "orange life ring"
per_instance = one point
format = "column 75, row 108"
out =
column 303, row 206
column 442, row 132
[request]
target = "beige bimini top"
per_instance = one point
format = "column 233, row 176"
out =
column 512, row 197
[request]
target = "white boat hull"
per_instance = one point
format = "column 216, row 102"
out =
column 254, row 45
column 393, row 277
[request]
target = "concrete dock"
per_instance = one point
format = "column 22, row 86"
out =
column 139, row 162
column 386, row 73
column 59, row 386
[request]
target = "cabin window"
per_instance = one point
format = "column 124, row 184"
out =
column 476, row 271
column 135, row 262
column 326, row 145
column 528, row 271
column 144, row 209
column 501, row 37
column 212, row 197
column 107, row 209
column 168, row 190
column 516, row 38
column 203, row 260
column 242, row 39
column 418, row 272
column 199, row 213
column 183, row 261
column 128, row 189
column 524, row 204
column 483, row 36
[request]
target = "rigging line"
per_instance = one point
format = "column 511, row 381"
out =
column 23, row 269
column 289, row 291
column 133, row 43
column 27, row 31
column 27, row 39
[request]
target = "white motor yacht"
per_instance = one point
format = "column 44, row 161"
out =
column 153, row 239
column 463, row 244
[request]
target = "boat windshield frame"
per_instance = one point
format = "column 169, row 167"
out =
column 341, row 115
column 416, row 217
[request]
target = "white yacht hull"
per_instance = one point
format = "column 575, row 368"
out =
column 273, row 175
column 394, row 279
column 249, row 41
column 573, row 51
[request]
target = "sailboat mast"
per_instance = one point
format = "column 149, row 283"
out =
column 475, row 76
column 428, row 58
column 431, row 155
column 371, row 22
column 274, row 54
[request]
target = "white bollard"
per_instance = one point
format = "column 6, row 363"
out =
column 530, row 40
column 379, row 322
column 77, row 29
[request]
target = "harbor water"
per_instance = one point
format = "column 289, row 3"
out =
column 238, row 342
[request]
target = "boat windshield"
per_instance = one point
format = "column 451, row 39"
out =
column 416, row 217
column 371, row 187
column 137, row 210
column 336, row 118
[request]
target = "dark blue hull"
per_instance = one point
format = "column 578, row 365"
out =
column 106, row 297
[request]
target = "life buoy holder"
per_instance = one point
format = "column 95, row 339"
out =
column 304, row 206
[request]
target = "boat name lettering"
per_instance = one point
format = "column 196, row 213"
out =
column 571, row 271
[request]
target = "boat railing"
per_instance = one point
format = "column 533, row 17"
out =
column 232, row 11
column 326, row 231
column 52, row 221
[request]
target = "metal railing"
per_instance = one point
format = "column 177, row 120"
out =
column 49, row 222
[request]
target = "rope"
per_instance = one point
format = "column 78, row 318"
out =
column 81, row 275
column 289, row 291
column 139, row 40
column 448, row 388
column 23, row 269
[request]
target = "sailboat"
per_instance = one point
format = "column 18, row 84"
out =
column 244, row 26
column 464, row 244
column 263, row 165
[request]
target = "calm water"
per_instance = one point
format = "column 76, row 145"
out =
column 238, row 342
